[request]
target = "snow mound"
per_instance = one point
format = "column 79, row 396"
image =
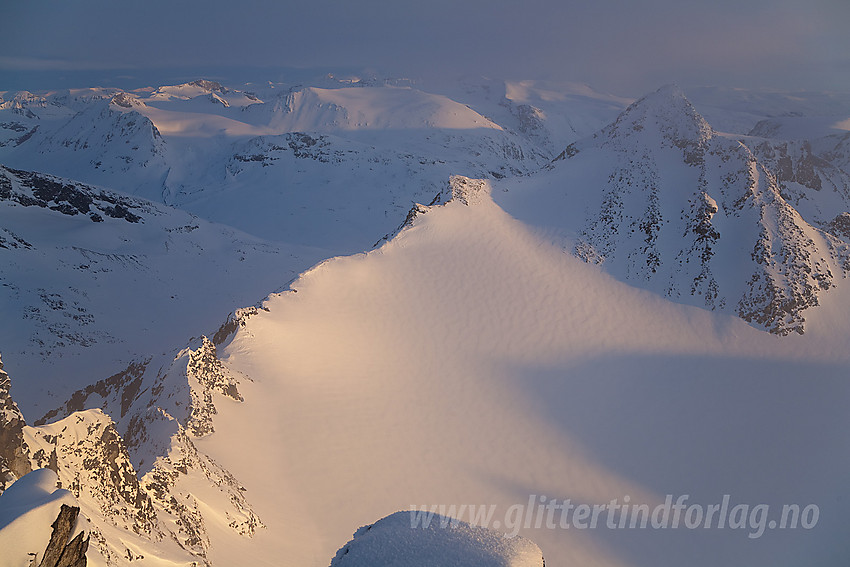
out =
column 394, row 541
column 376, row 108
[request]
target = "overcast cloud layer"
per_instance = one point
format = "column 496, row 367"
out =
column 625, row 47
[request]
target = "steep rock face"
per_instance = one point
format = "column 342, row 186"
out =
column 836, row 150
column 463, row 190
column 206, row 370
column 14, row 461
column 682, row 204
column 211, row 86
column 813, row 185
column 266, row 150
column 89, row 460
column 126, row 100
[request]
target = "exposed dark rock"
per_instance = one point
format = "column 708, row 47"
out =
column 74, row 554
column 840, row 226
column 124, row 100
column 795, row 162
column 233, row 322
column 125, row 384
column 60, row 552
column 68, row 198
column 211, row 86
column 12, row 240
column 14, row 459
column 412, row 214
column 205, row 367
column 629, row 226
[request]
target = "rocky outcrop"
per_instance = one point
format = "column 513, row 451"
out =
column 210, row 86
column 63, row 553
column 463, row 190
column 91, row 460
column 207, row 371
column 31, row 189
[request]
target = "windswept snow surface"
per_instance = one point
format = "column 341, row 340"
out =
column 471, row 361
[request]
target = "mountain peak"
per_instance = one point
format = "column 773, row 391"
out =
column 125, row 100
column 667, row 113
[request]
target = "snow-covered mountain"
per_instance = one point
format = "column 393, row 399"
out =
column 559, row 310
column 665, row 202
column 222, row 153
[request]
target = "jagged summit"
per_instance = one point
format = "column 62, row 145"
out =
column 126, row 100
column 211, row 86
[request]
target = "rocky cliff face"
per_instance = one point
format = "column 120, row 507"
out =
column 14, row 451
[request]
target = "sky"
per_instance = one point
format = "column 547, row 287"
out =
column 625, row 47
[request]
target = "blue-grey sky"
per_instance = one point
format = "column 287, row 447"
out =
column 628, row 47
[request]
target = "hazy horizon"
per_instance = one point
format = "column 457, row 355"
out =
column 623, row 49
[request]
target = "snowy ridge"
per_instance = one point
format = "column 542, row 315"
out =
column 31, row 189
column 458, row 189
